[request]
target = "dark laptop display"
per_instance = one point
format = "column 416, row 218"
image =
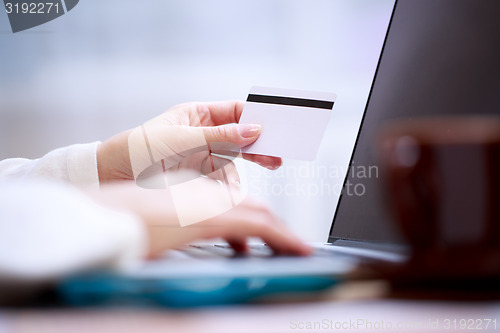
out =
column 439, row 57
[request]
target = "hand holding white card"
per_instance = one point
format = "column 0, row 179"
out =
column 293, row 121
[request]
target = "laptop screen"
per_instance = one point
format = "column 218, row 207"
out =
column 439, row 57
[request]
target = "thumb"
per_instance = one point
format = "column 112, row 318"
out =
column 239, row 134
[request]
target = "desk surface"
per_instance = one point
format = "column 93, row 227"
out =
column 352, row 307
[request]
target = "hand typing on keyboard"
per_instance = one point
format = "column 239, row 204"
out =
column 156, row 209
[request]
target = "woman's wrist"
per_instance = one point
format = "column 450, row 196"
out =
column 113, row 161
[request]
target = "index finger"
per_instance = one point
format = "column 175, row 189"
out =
column 225, row 112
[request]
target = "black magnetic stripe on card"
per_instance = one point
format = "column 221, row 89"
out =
column 292, row 101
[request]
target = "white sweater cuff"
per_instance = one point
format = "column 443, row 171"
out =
column 62, row 232
column 82, row 165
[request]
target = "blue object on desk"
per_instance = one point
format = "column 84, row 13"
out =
column 104, row 289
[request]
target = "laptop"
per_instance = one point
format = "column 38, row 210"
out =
column 439, row 57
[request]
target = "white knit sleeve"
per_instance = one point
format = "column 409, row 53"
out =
column 76, row 164
column 50, row 229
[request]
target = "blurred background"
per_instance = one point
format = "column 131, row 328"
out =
column 107, row 66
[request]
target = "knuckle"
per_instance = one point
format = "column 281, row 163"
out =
column 263, row 208
column 219, row 131
column 201, row 110
column 222, row 132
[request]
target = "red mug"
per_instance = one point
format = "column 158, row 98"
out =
column 442, row 183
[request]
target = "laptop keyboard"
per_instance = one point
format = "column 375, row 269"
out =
column 255, row 250
column 225, row 251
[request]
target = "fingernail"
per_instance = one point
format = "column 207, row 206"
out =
column 249, row 130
